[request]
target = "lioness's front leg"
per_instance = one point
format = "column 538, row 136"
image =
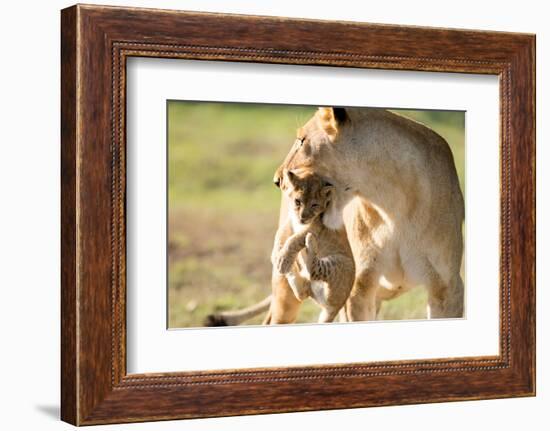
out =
column 284, row 305
column 361, row 305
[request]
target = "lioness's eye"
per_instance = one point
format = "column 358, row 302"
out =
column 297, row 202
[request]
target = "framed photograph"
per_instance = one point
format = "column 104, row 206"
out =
column 329, row 214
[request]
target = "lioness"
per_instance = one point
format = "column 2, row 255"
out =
column 396, row 191
column 325, row 269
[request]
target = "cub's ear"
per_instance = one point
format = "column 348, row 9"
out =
column 331, row 120
column 292, row 177
column 328, row 187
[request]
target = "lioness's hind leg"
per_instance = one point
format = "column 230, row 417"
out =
column 445, row 300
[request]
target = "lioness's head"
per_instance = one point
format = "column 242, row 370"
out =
column 308, row 193
column 313, row 140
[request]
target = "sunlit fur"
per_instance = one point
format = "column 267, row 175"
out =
column 396, row 186
column 396, row 192
column 315, row 259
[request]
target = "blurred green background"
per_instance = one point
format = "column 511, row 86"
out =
column 223, row 207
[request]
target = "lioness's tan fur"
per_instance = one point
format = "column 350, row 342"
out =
column 397, row 193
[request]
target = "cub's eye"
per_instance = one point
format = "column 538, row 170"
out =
column 314, row 205
column 297, row 202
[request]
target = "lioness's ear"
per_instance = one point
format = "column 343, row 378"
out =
column 340, row 114
column 277, row 178
column 331, row 120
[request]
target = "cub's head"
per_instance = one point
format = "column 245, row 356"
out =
column 308, row 193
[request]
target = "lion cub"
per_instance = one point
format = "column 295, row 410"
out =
column 316, row 260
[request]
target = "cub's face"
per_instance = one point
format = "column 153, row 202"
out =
column 309, row 195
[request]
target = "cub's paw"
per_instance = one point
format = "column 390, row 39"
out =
column 284, row 264
column 299, row 286
column 311, row 244
column 303, row 293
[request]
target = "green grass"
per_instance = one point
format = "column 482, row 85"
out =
column 223, row 206
column 227, row 153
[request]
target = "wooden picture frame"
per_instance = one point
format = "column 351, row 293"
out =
column 96, row 41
